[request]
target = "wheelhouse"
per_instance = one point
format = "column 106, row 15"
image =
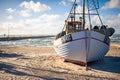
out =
column 73, row 26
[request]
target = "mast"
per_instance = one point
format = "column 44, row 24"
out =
column 83, row 14
column 74, row 9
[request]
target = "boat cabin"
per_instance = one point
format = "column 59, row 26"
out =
column 73, row 26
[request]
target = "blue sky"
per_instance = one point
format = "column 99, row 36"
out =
column 48, row 16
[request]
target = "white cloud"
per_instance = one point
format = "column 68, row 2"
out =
column 79, row 9
column 74, row 0
column 112, row 4
column 35, row 7
column 110, row 20
column 10, row 10
column 44, row 24
column 63, row 3
column 10, row 17
column 95, row 20
column 50, row 24
column 66, row 14
column 25, row 13
column 113, row 20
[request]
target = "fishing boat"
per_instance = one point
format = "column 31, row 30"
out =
column 80, row 40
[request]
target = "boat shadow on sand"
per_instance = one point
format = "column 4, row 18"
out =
column 11, row 69
column 19, row 70
column 108, row 64
column 9, row 55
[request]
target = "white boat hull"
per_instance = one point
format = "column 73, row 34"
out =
column 84, row 46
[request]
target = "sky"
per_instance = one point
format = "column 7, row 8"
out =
column 46, row 17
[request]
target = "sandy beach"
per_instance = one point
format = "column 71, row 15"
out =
column 42, row 63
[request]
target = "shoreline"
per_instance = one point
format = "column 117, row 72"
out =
column 42, row 63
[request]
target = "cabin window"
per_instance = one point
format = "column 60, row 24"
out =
column 70, row 26
column 77, row 26
column 81, row 27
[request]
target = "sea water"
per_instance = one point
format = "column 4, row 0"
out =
column 47, row 41
column 115, row 39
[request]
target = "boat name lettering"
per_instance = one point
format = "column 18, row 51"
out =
column 67, row 38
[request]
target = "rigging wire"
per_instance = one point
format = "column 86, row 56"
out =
column 89, row 14
column 69, row 14
column 96, row 7
column 97, row 12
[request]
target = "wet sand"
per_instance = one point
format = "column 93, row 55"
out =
column 42, row 63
